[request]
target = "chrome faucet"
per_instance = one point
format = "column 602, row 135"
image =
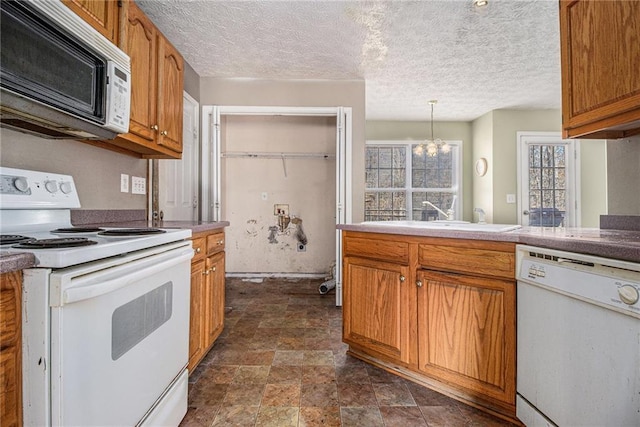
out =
column 449, row 214
column 481, row 214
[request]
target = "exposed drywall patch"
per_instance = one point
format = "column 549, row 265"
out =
column 273, row 231
column 252, row 229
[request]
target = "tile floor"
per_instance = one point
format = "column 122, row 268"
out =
column 280, row 361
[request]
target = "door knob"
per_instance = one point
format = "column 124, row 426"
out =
column 525, row 212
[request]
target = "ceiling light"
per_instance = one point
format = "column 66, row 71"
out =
column 431, row 146
column 480, row 3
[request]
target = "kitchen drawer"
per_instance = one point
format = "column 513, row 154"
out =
column 199, row 246
column 215, row 243
column 385, row 248
column 493, row 259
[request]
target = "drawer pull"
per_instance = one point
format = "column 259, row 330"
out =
column 220, row 242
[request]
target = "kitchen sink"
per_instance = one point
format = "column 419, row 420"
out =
column 448, row 225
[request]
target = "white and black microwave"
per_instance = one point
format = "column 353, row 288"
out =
column 59, row 77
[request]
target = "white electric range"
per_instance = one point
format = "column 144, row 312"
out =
column 105, row 312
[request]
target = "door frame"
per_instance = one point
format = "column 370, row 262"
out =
column 210, row 206
column 573, row 163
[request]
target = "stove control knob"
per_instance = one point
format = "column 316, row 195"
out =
column 21, row 184
column 628, row 294
column 51, row 186
column 66, row 187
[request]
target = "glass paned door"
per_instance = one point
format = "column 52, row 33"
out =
column 547, row 182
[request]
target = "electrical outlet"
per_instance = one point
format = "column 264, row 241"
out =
column 138, row 185
column 124, row 183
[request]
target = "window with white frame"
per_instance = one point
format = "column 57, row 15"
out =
column 400, row 177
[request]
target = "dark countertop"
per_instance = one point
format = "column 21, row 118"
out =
column 616, row 244
column 14, row 262
column 194, row 226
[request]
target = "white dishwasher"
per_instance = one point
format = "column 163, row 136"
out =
column 578, row 360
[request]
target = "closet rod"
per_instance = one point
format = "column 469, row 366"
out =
column 278, row 155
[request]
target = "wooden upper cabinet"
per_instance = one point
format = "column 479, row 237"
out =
column 100, row 14
column 141, row 46
column 171, row 84
column 600, row 53
column 157, row 81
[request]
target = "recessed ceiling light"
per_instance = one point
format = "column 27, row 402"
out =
column 480, row 3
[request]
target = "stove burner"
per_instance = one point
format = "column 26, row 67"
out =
column 72, row 230
column 66, row 242
column 9, row 239
column 131, row 232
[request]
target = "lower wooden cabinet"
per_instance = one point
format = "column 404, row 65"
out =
column 466, row 333
column 438, row 311
column 10, row 349
column 374, row 314
column 207, row 294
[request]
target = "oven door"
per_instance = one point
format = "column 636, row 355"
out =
column 119, row 339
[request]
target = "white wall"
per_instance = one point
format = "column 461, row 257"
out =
column 308, row 188
column 96, row 171
column 623, row 166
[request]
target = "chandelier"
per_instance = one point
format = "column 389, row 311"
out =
column 431, row 146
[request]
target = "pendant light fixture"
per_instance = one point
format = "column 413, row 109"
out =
column 431, row 146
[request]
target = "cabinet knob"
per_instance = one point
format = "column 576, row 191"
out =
column 212, row 269
column 164, row 133
column 220, row 242
column 206, row 272
column 402, row 278
column 198, row 250
column 154, row 127
column 419, row 283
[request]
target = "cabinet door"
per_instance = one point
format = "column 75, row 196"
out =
column 10, row 349
column 171, row 83
column 376, row 307
column 197, row 319
column 466, row 332
column 600, row 52
column 215, row 298
column 100, row 14
column 141, row 46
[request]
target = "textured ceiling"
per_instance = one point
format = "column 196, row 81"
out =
column 471, row 60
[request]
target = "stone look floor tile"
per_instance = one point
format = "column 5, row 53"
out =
column 280, row 361
column 271, row 416
column 281, row 395
column 319, row 417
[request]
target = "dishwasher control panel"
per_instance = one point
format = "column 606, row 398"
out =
column 609, row 283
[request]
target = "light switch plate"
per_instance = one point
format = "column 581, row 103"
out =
column 511, row 198
column 124, row 183
column 138, row 185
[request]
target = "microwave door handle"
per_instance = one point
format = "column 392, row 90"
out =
column 81, row 293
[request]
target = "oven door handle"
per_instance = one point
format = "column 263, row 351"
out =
column 101, row 287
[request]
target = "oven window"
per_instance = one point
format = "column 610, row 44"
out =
column 43, row 62
column 137, row 319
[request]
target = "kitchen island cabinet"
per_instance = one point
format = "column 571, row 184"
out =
column 438, row 311
column 600, row 54
column 103, row 15
column 10, row 349
column 207, row 294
